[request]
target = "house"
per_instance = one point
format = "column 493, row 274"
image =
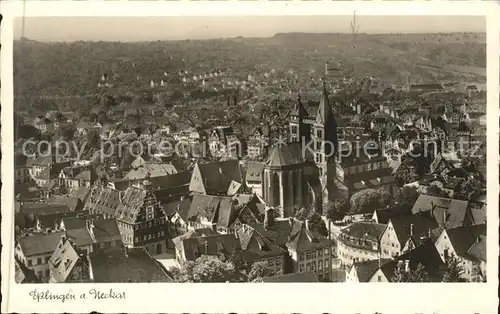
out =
column 384, row 270
column 104, row 233
column 141, row 220
column 257, row 248
column 75, row 177
column 468, row 244
column 192, row 245
column 217, row 178
column 383, row 215
column 68, row 264
column 224, row 143
column 149, row 171
column 216, row 212
column 309, row 251
column 258, row 142
column 293, row 277
column 359, row 242
column 43, row 169
column 447, row 212
column 404, row 233
column 35, row 251
column 128, row 265
column 253, row 176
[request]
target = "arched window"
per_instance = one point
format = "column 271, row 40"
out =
column 275, row 187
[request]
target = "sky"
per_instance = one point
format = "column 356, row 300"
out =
column 178, row 28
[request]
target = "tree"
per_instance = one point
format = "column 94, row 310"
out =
column 366, row 201
column 406, row 195
column 207, row 269
column 401, row 274
column 435, row 190
column 94, row 139
column 260, row 270
column 336, row 211
column 452, row 270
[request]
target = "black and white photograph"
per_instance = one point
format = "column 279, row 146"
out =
column 263, row 149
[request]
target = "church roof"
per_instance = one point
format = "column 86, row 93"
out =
column 284, row 155
column 324, row 113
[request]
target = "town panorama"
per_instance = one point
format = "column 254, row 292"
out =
column 297, row 157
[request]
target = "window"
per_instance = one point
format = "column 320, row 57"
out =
column 162, row 233
column 320, row 253
column 379, row 278
column 145, row 237
column 270, row 262
column 301, row 256
column 136, row 239
column 313, row 266
column 308, row 267
column 39, row 261
column 278, row 261
column 327, row 251
column 149, row 236
column 136, row 227
column 320, row 265
column 301, row 267
column 30, row 262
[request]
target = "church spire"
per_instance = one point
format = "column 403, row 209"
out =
column 324, row 111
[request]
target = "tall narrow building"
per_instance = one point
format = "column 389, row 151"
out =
column 316, row 131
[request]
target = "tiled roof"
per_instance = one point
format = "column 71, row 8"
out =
column 425, row 254
column 301, row 238
column 421, row 226
column 254, row 171
column 455, row 210
column 366, row 269
column 217, row 209
column 115, row 266
column 194, row 246
column 105, row 230
column 40, row 243
column 464, row 239
column 364, row 230
column 385, row 214
column 293, row 277
column 218, row 176
column 103, row 200
column 152, row 170
column 255, row 246
column 285, row 155
column 63, row 260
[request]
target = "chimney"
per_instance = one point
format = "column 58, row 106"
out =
column 407, row 266
column 411, row 231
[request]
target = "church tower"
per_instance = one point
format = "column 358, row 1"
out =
column 325, row 145
column 299, row 131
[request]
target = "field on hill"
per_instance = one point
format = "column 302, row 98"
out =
column 61, row 69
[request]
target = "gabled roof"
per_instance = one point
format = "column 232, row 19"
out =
column 455, row 211
column 254, row 171
column 40, row 243
column 385, row 214
column 468, row 242
column 422, row 225
column 301, row 238
column 132, row 265
column 194, row 246
column 218, row 176
column 216, row 209
column 255, row 246
column 63, row 260
column 364, row 230
column 366, row 269
column 285, row 155
column 425, row 254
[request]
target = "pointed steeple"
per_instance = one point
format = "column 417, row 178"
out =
column 324, row 113
column 298, row 109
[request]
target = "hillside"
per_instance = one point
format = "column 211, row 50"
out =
column 50, row 70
